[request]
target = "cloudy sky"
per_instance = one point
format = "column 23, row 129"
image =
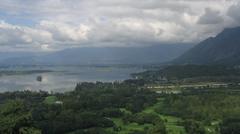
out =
column 48, row 25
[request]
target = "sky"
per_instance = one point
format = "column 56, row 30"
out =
column 50, row 25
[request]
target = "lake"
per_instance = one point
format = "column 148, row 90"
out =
column 60, row 78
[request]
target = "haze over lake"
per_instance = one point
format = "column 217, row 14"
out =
column 60, row 78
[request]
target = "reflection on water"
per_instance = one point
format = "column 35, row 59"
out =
column 62, row 78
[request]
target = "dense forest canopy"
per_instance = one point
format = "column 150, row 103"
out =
column 191, row 72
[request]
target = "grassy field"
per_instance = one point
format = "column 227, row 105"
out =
column 171, row 122
column 130, row 127
column 50, row 100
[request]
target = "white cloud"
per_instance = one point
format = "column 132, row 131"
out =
column 21, row 36
column 65, row 32
column 59, row 24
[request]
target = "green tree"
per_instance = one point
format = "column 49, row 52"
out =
column 29, row 130
column 14, row 116
column 157, row 129
column 230, row 126
column 194, row 127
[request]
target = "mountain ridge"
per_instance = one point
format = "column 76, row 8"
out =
column 221, row 49
column 105, row 55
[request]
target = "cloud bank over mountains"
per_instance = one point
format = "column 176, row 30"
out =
column 49, row 25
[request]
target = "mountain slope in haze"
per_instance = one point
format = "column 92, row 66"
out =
column 105, row 55
column 222, row 49
column 18, row 57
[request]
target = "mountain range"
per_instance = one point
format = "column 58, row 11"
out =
column 222, row 49
column 100, row 55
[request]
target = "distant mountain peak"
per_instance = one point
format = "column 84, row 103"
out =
column 222, row 49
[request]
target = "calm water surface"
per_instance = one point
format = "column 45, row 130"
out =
column 62, row 78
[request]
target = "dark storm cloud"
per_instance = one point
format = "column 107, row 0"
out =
column 210, row 17
column 234, row 12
